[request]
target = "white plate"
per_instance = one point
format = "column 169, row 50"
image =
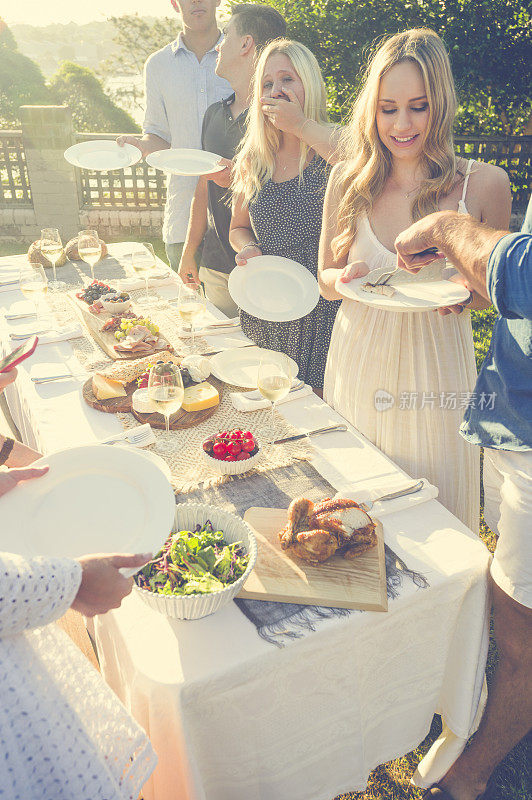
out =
column 274, row 288
column 102, row 155
column 185, row 161
column 412, row 295
column 94, row 499
column 240, row 365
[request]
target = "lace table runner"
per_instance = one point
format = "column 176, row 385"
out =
column 185, row 460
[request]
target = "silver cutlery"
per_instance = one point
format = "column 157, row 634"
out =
column 62, row 377
column 10, row 317
column 415, row 487
column 256, row 395
column 385, row 277
column 28, row 335
column 140, row 436
column 8, row 283
column 329, row 429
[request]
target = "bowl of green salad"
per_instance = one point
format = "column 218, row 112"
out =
column 201, row 566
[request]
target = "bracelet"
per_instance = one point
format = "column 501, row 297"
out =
column 253, row 244
column 469, row 300
column 6, row 449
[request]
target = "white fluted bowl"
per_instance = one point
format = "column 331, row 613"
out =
column 232, row 467
column 195, row 606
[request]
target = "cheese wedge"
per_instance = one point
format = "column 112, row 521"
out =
column 107, row 388
column 199, row 397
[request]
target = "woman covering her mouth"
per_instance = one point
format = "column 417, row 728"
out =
column 400, row 165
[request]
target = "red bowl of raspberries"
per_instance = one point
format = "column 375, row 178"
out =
column 231, row 452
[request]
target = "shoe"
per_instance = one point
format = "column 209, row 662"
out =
column 436, row 793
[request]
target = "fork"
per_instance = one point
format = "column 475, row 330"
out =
column 415, row 487
column 430, row 251
column 141, row 436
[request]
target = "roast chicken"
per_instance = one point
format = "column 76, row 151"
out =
column 315, row 532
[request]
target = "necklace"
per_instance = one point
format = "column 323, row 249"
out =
column 406, row 194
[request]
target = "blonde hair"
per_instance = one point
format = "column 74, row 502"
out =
column 368, row 162
column 255, row 162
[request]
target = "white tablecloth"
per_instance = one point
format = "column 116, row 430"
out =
column 233, row 717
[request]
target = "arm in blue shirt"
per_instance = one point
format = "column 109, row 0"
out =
column 509, row 276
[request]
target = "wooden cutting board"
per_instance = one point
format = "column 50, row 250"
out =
column 337, row 583
column 106, row 340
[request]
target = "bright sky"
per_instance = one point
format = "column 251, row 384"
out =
column 37, row 12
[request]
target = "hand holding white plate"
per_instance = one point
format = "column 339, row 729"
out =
column 274, row 288
column 94, row 499
column 410, row 295
column 102, row 155
column 185, row 161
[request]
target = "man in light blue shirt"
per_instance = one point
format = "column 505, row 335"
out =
column 498, row 265
column 180, row 85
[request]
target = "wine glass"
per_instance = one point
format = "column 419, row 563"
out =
column 52, row 249
column 34, row 285
column 143, row 262
column 191, row 304
column 166, row 392
column 89, row 248
column 273, row 382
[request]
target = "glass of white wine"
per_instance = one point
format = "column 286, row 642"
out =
column 191, row 305
column 89, row 248
column 166, row 392
column 52, row 248
column 143, row 261
column 34, row 285
column 274, row 381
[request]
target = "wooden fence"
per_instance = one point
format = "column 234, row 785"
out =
column 143, row 188
column 15, row 187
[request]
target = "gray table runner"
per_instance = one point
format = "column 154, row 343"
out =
column 277, row 488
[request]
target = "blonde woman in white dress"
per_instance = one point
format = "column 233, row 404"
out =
column 400, row 165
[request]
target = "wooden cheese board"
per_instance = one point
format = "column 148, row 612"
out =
column 107, row 341
column 114, row 404
column 182, row 419
column 336, row 583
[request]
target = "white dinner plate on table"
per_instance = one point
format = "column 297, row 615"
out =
column 185, row 161
column 412, row 295
column 274, row 288
column 102, row 155
column 94, row 499
column 240, row 365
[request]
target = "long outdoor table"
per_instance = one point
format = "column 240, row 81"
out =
column 233, row 717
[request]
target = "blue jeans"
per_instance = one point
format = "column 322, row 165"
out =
column 173, row 252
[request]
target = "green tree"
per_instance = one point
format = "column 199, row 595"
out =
column 489, row 42
column 21, row 80
column 136, row 38
column 92, row 110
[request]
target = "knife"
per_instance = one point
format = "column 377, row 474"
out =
column 66, row 376
column 20, row 316
column 28, row 335
column 311, row 433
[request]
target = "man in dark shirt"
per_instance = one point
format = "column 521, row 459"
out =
column 250, row 28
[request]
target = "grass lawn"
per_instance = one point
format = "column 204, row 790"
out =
column 513, row 779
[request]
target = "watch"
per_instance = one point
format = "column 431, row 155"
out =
column 5, row 450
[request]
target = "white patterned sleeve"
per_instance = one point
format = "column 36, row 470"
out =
column 35, row 591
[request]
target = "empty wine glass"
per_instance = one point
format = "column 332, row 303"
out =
column 52, row 249
column 166, row 392
column 143, row 261
column 273, row 382
column 191, row 305
column 89, row 248
column 34, row 285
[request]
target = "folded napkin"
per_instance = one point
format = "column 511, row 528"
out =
column 19, row 309
column 9, row 280
column 209, row 329
column 50, row 336
column 373, row 488
column 242, row 402
column 162, row 278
